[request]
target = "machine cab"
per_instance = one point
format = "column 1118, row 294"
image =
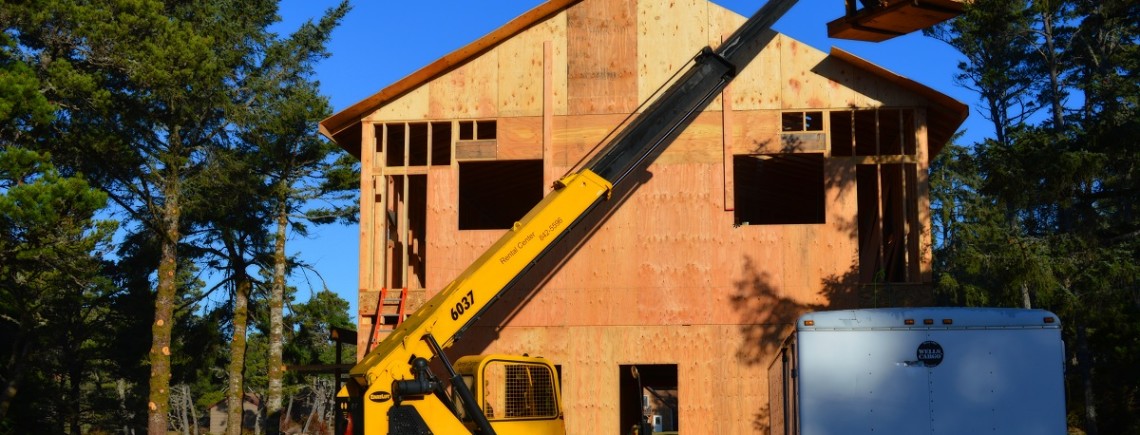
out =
column 518, row 394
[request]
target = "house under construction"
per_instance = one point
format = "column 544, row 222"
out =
column 803, row 186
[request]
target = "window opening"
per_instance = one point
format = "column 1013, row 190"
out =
column 890, row 132
column 842, row 136
column 466, row 130
column 486, row 130
column 909, row 133
column 801, row 121
column 394, row 144
column 495, row 194
column 441, row 143
column 866, row 133
column 418, row 144
column 779, row 189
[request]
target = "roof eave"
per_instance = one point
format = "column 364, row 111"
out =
column 330, row 127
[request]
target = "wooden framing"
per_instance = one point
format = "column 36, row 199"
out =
column 671, row 277
column 891, row 18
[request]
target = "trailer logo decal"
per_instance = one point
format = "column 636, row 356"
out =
column 930, row 353
column 380, row 396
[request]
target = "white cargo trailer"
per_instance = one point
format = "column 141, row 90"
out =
column 920, row 371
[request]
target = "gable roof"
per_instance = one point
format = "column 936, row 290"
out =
column 945, row 116
column 340, row 121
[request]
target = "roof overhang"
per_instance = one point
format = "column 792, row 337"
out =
column 343, row 127
column 945, row 114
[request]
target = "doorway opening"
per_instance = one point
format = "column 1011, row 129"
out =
column 648, row 394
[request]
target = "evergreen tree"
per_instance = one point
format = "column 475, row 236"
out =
column 50, row 289
column 300, row 168
column 1047, row 206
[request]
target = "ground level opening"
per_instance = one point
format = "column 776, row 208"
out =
column 648, row 393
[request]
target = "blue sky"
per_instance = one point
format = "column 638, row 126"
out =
column 380, row 42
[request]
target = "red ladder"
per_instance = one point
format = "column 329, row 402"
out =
column 390, row 312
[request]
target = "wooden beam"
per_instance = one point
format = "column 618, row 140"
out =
column 892, row 18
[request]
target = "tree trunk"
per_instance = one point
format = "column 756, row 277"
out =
column 276, row 327
column 75, row 378
column 1084, row 365
column 1026, row 301
column 158, row 406
column 236, row 394
column 1058, row 108
column 121, row 388
column 15, row 370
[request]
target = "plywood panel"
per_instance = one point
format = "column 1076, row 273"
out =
column 520, row 138
column 755, row 132
column 801, row 88
column 758, row 85
column 411, row 106
column 601, row 43
column 669, row 35
column 469, row 91
column 520, row 75
column 727, row 128
column 444, row 257
column 521, row 68
column 576, row 136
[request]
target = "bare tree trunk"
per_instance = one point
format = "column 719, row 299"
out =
column 276, row 328
column 320, row 398
column 236, row 392
column 158, row 406
column 181, row 404
column 121, row 388
column 287, row 418
column 1025, row 300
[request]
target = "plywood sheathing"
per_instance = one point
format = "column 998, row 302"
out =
column 601, row 45
column 683, row 23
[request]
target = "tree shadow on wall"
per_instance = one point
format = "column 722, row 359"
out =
column 767, row 316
